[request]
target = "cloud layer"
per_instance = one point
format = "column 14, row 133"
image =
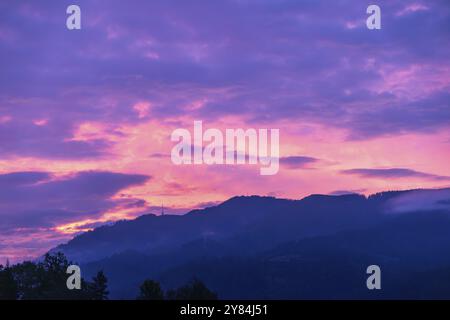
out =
column 39, row 201
column 268, row 60
column 394, row 173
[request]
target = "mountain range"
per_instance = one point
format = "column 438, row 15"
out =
column 257, row 247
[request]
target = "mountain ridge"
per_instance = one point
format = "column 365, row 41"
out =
column 146, row 232
column 396, row 229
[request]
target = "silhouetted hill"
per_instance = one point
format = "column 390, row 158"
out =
column 409, row 249
column 285, row 218
column 263, row 247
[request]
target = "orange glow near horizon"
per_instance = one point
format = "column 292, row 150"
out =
column 180, row 186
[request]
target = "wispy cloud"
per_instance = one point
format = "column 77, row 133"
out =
column 295, row 162
column 417, row 200
column 394, row 173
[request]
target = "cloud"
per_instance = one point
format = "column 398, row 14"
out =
column 40, row 199
column 159, row 155
column 418, row 200
column 411, row 8
column 345, row 192
column 16, row 179
column 295, row 162
column 34, row 204
column 424, row 115
column 394, row 173
column 261, row 60
column 207, row 204
column 52, row 140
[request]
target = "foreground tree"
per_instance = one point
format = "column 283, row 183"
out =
column 8, row 286
column 47, row 280
column 194, row 290
column 150, row 290
column 98, row 289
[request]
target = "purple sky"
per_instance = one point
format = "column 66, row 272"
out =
column 86, row 115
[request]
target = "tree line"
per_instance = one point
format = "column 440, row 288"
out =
column 46, row 279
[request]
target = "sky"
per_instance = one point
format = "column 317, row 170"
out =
column 86, row 115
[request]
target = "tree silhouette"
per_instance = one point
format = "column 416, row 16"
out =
column 99, row 287
column 194, row 290
column 8, row 286
column 53, row 278
column 47, row 280
column 150, row 290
